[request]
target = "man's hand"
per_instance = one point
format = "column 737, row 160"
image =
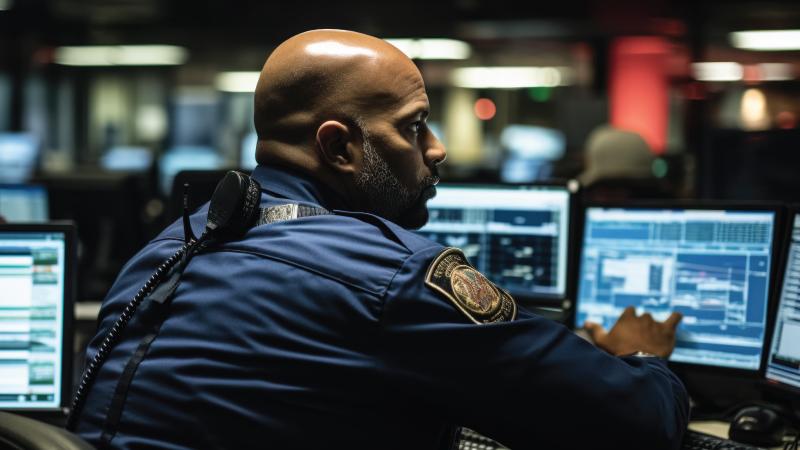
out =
column 633, row 334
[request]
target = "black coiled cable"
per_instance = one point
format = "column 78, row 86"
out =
column 113, row 335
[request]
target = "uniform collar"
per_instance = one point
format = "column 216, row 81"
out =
column 295, row 185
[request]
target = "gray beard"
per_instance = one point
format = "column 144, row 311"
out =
column 385, row 193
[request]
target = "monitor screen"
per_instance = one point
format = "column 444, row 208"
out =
column 18, row 155
column 515, row 236
column 32, row 318
column 529, row 152
column 134, row 159
column 178, row 159
column 783, row 364
column 23, row 203
column 713, row 266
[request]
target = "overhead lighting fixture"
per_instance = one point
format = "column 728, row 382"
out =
column 121, row 55
column 237, row 81
column 510, row 77
column 717, row 71
column 432, row 48
column 766, row 40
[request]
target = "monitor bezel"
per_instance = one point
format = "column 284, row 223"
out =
column 792, row 211
column 571, row 187
column 70, row 263
column 778, row 209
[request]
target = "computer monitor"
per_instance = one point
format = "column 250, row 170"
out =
column 23, row 203
column 182, row 158
column 517, row 236
column 529, row 152
column 18, row 155
column 126, row 158
column 37, row 265
column 712, row 263
column 783, row 362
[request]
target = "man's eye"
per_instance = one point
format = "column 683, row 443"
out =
column 416, row 127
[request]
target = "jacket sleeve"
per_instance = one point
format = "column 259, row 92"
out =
column 527, row 383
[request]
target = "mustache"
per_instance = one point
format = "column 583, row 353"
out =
column 431, row 180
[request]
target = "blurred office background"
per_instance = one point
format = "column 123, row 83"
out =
column 104, row 102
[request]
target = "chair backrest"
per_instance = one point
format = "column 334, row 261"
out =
column 22, row 433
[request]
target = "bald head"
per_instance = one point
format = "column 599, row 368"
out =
column 318, row 76
column 350, row 110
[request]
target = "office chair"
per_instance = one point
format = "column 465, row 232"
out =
column 22, row 433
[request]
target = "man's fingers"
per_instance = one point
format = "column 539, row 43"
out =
column 628, row 313
column 673, row 320
column 595, row 330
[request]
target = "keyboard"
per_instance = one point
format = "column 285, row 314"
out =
column 471, row 440
column 694, row 440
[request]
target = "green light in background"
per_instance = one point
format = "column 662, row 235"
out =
column 659, row 168
column 540, row 93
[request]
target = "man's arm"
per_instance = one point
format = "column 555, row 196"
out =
column 530, row 382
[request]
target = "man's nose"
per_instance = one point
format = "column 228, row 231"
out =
column 435, row 153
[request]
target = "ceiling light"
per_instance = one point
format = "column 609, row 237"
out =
column 237, row 81
column 717, row 71
column 121, row 55
column 510, row 77
column 432, row 48
column 766, row 40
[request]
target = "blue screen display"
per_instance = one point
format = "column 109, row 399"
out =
column 178, row 159
column 18, row 155
column 23, row 203
column 713, row 266
column 516, row 237
column 784, row 358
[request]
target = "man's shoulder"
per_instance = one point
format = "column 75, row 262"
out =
column 411, row 241
column 357, row 248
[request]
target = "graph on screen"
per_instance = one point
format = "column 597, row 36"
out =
column 713, row 266
column 516, row 237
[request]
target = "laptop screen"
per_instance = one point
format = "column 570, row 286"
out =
column 516, row 236
column 33, row 283
column 783, row 364
column 711, row 265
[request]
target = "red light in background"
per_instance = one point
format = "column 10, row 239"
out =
column 786, row 120
column 695, row 91
column 751, row 74
column 638, row 87
column 485, row 109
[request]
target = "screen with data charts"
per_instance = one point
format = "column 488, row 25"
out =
column 516, row 236
column 711, row 265
column 783, row 364
column 34, row 314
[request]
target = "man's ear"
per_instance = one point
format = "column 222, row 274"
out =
column 334, row 141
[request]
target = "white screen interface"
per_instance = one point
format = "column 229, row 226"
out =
column 32, row 281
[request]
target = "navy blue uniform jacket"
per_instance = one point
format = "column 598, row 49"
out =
column 320, row 332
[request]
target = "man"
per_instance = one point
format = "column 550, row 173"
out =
column 345, row 330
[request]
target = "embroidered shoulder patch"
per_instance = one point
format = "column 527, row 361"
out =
column 478, row 298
